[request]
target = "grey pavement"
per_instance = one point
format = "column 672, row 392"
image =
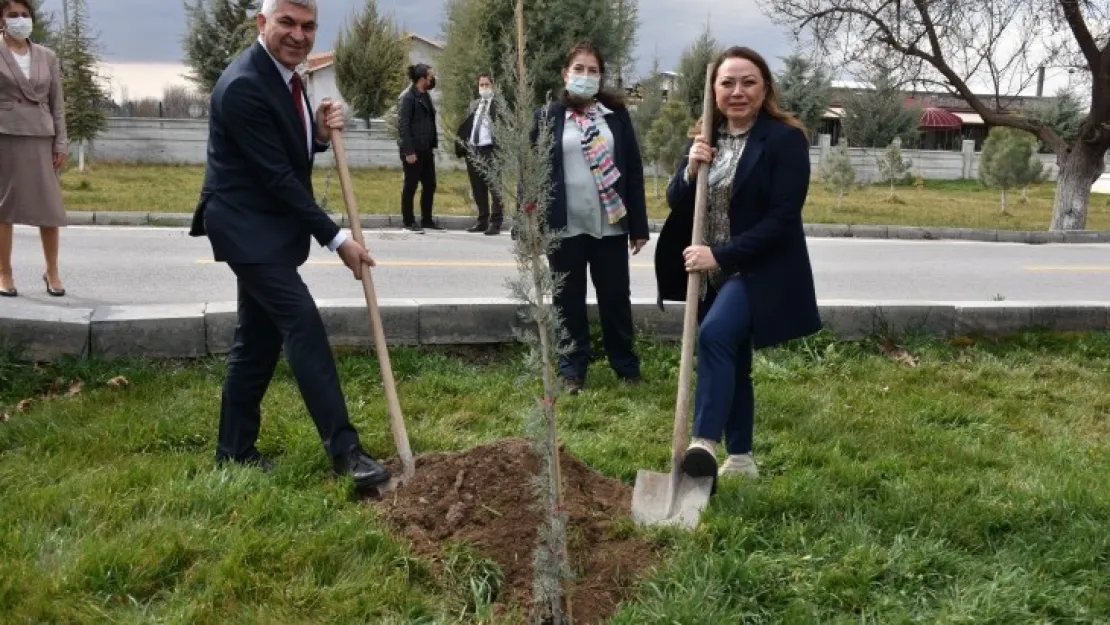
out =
column 104, row 265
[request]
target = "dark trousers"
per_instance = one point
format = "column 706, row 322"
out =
column 609, row 267
column 482, row 190
column 422, row 173
column 276, row 310
column 724, row 402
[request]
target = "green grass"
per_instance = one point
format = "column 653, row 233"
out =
column 972, row 488
column 955, row 203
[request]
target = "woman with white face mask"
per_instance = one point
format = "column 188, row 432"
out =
column 598, row 203
column 33, row 142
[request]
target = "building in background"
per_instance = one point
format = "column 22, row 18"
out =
column 320, row 71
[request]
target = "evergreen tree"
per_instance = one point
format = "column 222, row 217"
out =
column 892, row 167
column 874, row 117
column 371, row 55
column 666, row 141
column 216, row 31
column 837, row 173
column 521, row 167
column 1064, row 115
column 85, row 99
column 45, row 31
column 476, row 32
column 1009, row 160
column 626, row 20
column 651, row 100
column 804, row 90
column 691, row 68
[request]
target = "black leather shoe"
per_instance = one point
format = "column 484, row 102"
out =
column 365, row 471
column 12, row 292
column 493, row 231
column 478, row 227
column 432, row 226
column 414, row 228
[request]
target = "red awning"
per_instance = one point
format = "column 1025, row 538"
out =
column 935, row 118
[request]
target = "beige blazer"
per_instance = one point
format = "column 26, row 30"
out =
column 33, row 106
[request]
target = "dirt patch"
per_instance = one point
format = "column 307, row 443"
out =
column 483, row 496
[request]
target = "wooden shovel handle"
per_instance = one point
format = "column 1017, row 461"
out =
column 396, row 420
column 693, row 293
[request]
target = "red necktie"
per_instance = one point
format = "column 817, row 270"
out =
column 298, row 101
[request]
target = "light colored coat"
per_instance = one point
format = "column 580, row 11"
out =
column 35, row 106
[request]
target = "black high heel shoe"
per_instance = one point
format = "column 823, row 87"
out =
column 51, row 290
column 12, row 292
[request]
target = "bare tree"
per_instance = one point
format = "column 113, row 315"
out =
column 995, row 47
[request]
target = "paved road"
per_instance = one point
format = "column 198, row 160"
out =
column 139, row 265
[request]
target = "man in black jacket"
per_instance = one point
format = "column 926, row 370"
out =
column 475, row 142
column 258, row 212
column 418, row 139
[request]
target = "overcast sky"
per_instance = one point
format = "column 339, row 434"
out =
column 150, row 31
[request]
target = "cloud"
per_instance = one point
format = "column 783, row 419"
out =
column 150, row 31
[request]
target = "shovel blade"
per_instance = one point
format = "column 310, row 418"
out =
column 653, row 503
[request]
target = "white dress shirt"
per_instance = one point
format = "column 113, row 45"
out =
column 484, row 135
column 306, row 120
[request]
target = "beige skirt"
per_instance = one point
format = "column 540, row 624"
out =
column 30, row 193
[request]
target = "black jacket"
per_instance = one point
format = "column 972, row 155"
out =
column 417, row 125
column 257, row 203
column 768, row 244
column 462, row 135
column 626, row 154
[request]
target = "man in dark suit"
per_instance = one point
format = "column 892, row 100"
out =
column 259, row 213
column 475, row 142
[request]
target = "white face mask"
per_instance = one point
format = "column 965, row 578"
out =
column 19, row 27
column 485, row 93
column 583, row 85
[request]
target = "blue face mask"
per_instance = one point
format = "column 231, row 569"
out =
column 583, row 85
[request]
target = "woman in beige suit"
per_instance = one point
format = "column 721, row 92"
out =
column 33, row 143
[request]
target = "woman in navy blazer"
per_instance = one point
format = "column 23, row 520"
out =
column 598, row 207
column 758, row 288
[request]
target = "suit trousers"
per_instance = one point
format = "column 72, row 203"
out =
column 483, row 190
column 607, row 258
column 422, row 173
column 724, row 401
column 275, row 311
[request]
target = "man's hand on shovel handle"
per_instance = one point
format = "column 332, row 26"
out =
column 355, row 257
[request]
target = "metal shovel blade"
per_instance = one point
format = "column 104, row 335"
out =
column 660, row 499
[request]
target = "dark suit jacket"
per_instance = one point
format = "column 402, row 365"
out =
column 462, row 136
column 626, row 154
column 417, row 123
column 768, row 245
column 257, row 203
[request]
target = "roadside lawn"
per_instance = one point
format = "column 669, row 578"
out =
column 961, row 481
column 964, row 204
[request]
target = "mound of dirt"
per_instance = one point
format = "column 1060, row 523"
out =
column 484, row 496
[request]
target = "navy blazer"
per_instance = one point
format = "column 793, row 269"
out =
column 768, row 244
column 626, row 155
column 257, row 204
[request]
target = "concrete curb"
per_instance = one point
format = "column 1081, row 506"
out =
column 45, row 333
column 849, row 231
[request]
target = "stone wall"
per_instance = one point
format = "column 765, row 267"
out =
column 184, row 141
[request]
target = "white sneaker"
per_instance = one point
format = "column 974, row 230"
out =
column 739, row 464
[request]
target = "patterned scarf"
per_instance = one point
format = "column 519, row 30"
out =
column 600, row 160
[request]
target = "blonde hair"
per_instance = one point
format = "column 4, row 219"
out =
column 770, row 99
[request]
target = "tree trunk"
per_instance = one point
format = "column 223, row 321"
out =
column 1079, row 169
column 656, row 177
column 1004, row 201
column 81, row 156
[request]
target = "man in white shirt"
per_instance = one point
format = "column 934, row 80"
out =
column 475, row 140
